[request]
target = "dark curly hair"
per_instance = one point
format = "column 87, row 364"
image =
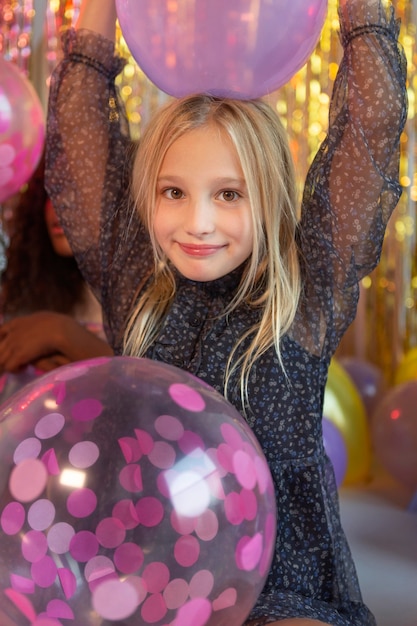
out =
column 36, row 277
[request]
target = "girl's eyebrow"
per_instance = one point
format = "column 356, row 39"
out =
column 234, row 182
column 221, row 181
column 169, row 178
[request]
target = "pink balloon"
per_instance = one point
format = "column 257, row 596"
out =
column 22, row 129
column 233, row 48
column 95, row 526
column 394, row 433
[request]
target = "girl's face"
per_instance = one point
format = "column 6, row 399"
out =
column 59, row 241
column 203, row 218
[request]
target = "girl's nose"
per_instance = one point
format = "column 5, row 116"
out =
column 200, row 218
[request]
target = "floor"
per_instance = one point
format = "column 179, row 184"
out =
column 380, row 520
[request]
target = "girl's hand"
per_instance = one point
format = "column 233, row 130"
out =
column 360, row 12
column 47, row 340
column 99, row 16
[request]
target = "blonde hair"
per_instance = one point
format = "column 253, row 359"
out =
column 271, row 276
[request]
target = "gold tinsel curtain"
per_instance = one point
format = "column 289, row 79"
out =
column 386, row 324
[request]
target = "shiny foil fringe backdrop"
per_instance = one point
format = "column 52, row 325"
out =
column 386, row 325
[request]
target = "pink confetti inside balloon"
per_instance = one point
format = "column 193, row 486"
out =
column 22, row 129
column 158, row 507
column 238, row 48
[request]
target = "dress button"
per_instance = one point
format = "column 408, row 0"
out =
column 195, row 321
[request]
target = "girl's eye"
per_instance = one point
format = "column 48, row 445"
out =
column 229, row 195
column 172, row 193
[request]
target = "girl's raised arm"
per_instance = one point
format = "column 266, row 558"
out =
column 88, row 156
column 353, row 184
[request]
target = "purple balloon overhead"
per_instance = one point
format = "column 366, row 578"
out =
column 130, row 493
column 22, row 129
column 237, row 48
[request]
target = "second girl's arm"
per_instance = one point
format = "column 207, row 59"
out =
column 47, row 339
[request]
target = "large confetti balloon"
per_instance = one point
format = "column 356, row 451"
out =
column 22, row 129
column 394, row 433
column 238, row 48
column 131, row 493
column 344, row 407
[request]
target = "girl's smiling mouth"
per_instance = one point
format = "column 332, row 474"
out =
column 201, row 250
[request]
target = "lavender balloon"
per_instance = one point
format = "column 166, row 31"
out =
column 335, row 447
column 130, row 493
column 233, row 48
column 22, row 129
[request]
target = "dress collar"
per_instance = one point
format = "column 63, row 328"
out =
column 220, row 287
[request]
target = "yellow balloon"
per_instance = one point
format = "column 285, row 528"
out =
column 407, row 369
column 344, row 407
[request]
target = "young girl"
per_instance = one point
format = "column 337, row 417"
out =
column 194, row 246
column 49, row 315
